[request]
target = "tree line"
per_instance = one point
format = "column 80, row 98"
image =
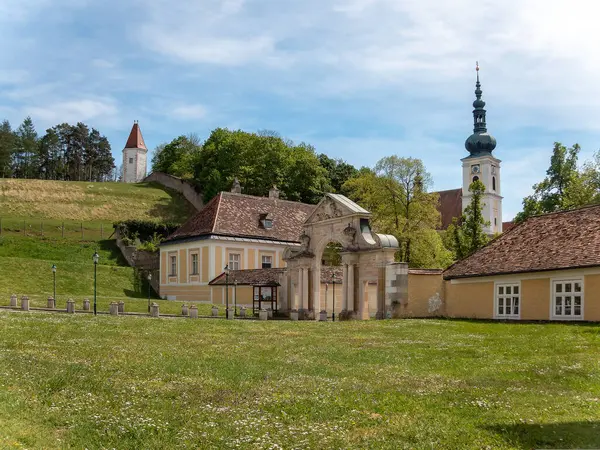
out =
column 64, row 152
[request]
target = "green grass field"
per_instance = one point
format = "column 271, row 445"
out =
column 46, row 205
column 133, row 382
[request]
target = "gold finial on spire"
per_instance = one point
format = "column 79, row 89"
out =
column 477, row 66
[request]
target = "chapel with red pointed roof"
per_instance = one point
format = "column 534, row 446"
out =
column 134, row 156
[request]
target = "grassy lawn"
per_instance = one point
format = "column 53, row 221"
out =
column 132, row 382
column 76, row 202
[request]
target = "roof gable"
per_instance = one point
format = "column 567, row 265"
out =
column 335, row 205
column 449, row 206
column 563, row 240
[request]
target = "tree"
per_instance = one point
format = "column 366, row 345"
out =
column 177, row 158
column 467, row 236
column 338, row 172
column 565, row 186
column 25, row 151
column 395, row 192
column 7, row 142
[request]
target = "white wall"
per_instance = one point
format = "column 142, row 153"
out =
column 134, row 172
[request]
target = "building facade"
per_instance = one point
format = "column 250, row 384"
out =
column 134, row 157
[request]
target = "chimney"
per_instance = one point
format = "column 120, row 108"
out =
column 274, row 192
column 236, row 188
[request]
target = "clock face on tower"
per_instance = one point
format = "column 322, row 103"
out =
column 493, row 170
column 475, row 168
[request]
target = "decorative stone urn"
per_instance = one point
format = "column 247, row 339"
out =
column 215, row 311
column 71, row 306
column 114, row 309
column 25, row 303
column 121, row 307
column 184, row 310
column 242, row 312
column 270, row 313
column 154, row 310
column 323, row 316
column 51, row 303
column 86, row 304
column 193, row 312
column 294, row 315
column 263, row 314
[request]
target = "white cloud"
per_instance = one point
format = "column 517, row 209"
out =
column 187, row 112
column 73, row 111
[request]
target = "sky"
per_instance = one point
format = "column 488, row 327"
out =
column 358, row 79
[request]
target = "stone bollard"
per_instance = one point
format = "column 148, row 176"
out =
column 242, row 312
column 114, row 309
column 184, row 310
column 193, row 312
column 323, row 316
column 154, row 310
column 294, row 314
column 25, row 303
column 263, row 314
column 13, row 301
column 215, row 311
column 71, row 306
column 270, row 313
column 51, row 303
column 86, row 304
column 230, row 313
column 121, row 307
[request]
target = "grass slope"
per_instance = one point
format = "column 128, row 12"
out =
column 126, row 382
column 56, row 201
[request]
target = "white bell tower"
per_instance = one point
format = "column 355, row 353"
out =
column 134, row 156
column 483, row 166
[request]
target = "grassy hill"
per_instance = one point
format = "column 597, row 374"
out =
column 87, row 202
column 32, row 215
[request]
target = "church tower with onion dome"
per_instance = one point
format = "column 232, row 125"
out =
column 483, row 166
column 134, row 156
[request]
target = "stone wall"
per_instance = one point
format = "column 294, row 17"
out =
column 179, row 185
column 141, row 259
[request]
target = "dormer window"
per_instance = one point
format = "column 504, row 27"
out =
column 266, row 221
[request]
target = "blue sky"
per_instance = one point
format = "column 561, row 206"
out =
column 358, row 79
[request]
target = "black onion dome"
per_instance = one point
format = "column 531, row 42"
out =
column 480, row 142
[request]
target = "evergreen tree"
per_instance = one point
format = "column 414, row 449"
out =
column 467, row 236
column 7, row 142
column 25, row 155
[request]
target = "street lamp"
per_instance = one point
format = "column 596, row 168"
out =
column 235, row 297
column 333, row 307
column 95, row 258
column 54, row 274
column 226, row 291
column 149, row 279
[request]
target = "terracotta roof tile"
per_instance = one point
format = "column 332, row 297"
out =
column 135, row 139
column 450, row 206
column 239, row 215
column 554, row 241
column 506, row 226
column 254, row 277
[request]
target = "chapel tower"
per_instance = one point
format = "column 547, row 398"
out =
column 483, row 166
column 134, row 156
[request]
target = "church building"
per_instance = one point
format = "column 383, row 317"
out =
column 480, row 165
column 134, row 156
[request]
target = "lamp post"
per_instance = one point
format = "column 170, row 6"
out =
column 149, row 279
column 235, row 297
column 54, row 275
column 226, row 291
column 95, row 258
column 333, row 307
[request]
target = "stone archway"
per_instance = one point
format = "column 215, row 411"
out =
column 367, row 260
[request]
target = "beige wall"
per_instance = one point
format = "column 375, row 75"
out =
column 474, row 297
column 421, row 288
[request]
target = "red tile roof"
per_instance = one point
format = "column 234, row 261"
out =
column 135, row 139
column 507, row 226
column 253, row 277
column 450, row 206
column 239, row 215
column 562, row 240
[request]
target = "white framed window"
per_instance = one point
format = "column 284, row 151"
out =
column 194, row 264
column 567, row 299
column 507, row 304
column 234, row 261
column 267, row 262
column 173, row 271
column 130, row 160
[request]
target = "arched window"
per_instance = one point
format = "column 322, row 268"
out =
column 475, row 178
column 494, row 183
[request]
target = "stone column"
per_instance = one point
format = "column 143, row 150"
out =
column 121, row 307
column 51, row 303
column 184, row 310
column 70, row 306
column 363, row 307
column 13, row 301
column 193, row 312
column 25, row 303
column 350, row 292
column 86, row 304
column 292, row 293
column 114, row 309
column 154, row 310
column 344, row 287
column 305, row 289
column 316, row 274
